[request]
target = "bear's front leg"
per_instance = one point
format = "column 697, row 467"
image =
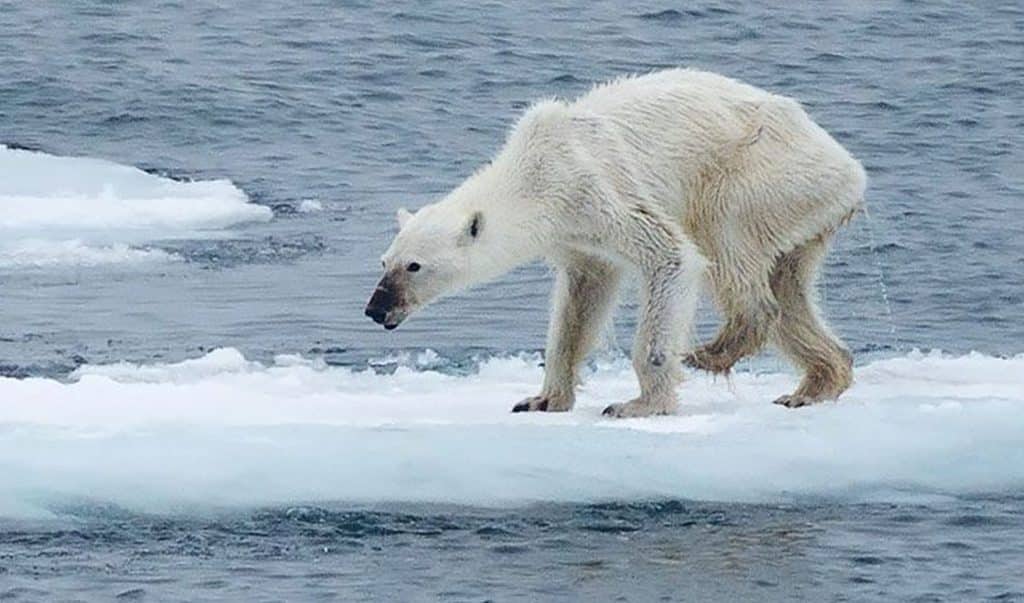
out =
column 584, row 294
column 669, row 299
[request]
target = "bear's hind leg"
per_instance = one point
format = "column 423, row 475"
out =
column 802, row 335
column 585, row 291
column 750, row 310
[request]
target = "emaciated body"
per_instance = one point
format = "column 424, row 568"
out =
column 683, row 177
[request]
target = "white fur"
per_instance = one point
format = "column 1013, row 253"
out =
column 673, row 175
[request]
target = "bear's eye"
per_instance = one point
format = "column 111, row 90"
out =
column 413, row 267
column 474, row 225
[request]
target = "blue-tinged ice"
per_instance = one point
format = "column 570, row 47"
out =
column 221, row 430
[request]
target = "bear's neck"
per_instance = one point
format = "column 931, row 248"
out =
column 515, row 229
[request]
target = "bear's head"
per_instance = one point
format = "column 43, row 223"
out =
column 499, row 218
column 438, row 250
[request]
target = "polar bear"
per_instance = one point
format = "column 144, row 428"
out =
column 682, row 177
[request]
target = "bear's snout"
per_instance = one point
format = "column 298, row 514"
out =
column 376, row 314
column 382, row 305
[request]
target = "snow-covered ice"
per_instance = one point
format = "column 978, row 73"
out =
column 221, row 430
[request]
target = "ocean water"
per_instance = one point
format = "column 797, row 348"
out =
column 193, row 197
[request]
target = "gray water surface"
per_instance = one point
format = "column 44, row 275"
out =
column 964, row 550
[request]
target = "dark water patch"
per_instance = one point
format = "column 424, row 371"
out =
column 566, row 78
column 227, row 253
column 22, row 593
column 609, row 527
column 124, row 118
column 177, row 175
column 429, row 42
column 432, row 18
column 510, row 549
column 355, row 524
column 383, row 96
column 57, row 368
column 21, row 372
column 493, row 531
column 672, row 15
column 17, row 146
column 907, row 518
column 974, row 520
column 829, row 57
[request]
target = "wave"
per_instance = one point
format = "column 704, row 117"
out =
column 82, row 211
column 222, row 430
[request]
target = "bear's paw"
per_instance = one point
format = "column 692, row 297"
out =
column 639, row 407
column 544, row 403
column 796, row 401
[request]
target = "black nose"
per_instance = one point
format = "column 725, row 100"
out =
column 376, row 314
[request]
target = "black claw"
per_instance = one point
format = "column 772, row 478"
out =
column 792, row 402
column 525, row 406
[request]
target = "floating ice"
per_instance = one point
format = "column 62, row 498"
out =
column 42, row 253
column 223, row 430
column 83, row 211
column 307, row 206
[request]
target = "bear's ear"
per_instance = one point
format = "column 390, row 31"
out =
column 403, row 217
column 473, row 228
